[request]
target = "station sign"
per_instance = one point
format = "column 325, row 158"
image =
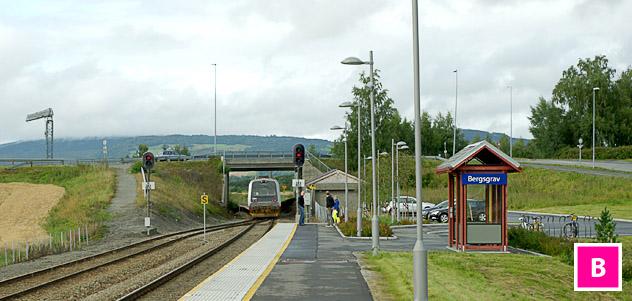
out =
column 298, row 183
column 484, row 179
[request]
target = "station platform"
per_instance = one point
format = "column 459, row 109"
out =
column 317, row 265
column 239, row 279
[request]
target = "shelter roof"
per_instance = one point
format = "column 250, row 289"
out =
column 485, row 153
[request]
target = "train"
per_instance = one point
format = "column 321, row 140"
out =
column 264, row 198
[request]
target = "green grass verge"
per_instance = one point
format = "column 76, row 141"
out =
column 471, row 276
column 89, row 190
column 179, row 186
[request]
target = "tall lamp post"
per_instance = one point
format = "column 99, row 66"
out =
column 510, row 121
column 392, row 181
column 456, row 100
column 595, row 89
column 375, row 238
column 336, row 128
column 348, row 104
column 365, row 159
column 215, row 110
column 420, row 254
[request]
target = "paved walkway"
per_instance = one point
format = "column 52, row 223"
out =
column 127, row 219
column 315, row 266
column 319, row 264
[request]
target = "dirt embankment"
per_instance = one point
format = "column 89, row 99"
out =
column 23, row 207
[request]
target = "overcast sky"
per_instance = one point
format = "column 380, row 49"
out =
column 144, row 67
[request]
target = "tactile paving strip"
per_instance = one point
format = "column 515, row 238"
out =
column 235, row 280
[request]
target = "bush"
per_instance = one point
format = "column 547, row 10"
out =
column 349, row 228
column 135, row 168
column 606, row 227
column 540, row 242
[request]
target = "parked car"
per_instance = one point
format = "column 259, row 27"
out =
column 407, row 204
column 170, row 156
column 475, row 211
column 426, row 211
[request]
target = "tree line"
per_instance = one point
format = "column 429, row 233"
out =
column 558, row 123
column 436, row 131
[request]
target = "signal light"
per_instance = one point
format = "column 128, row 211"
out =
column 299, row 154
column 148, row 160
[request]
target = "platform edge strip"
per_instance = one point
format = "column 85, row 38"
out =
column 253, row 289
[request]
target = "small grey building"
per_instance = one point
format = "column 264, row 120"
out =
column 334, row 182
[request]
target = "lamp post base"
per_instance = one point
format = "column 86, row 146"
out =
column 375, row 234
column 359, row 222
column 420, row 272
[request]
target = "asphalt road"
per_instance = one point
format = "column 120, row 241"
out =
column 616, row 165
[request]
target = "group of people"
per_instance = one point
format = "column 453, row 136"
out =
column 333, row 209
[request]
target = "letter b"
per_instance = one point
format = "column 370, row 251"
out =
column 597, row 267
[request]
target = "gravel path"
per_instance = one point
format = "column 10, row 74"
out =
column 127, row 220
column 114, row 281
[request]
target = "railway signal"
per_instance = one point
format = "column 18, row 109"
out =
column 299, row 154
column 148, row 160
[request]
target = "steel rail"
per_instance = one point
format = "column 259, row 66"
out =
column 184, row 234
column 136, row 294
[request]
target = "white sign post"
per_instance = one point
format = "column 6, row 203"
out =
column 204, row 201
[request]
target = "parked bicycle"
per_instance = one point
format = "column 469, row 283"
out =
column 536, row 225
column 571, row 229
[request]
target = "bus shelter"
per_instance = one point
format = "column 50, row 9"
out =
column 478, row 220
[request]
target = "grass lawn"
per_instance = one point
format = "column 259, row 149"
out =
column 468, row 276
column 179, row 186
column 89, row 190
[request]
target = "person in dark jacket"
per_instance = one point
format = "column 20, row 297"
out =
column 329, row 202
column 301, row 209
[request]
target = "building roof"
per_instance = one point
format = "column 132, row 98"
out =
column 330, row 175
column 484, row 152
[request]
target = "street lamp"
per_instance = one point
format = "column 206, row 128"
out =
column 215, row 110
column 349, row 104
column 374, row 221
column 420, row 254
column 456, row 97
column 510, row 121
column 336, row 128
column 398, row 146
column 580, row 145
column 595, row 89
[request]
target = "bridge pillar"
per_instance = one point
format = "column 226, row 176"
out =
column 226, row 190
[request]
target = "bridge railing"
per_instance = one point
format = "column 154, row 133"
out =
column 317, row 163
column 247, row 155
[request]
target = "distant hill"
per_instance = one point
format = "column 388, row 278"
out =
column 119, row 147
column 470, row 134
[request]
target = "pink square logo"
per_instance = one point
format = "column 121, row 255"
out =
column 598, row 267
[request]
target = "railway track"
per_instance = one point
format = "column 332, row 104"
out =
column 79, row 279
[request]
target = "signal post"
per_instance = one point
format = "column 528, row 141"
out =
column 299, row 159
column 148, row 164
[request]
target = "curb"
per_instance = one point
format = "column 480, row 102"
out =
column 530, row 252
column 415, row 225
column 562, row 215
column 364, row 237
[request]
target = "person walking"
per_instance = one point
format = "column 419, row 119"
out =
column 329, row 203
column 301, row 208
column 336, row 211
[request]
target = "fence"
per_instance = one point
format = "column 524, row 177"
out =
column 15, row 163
column 561, row 226
column 71, row 240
